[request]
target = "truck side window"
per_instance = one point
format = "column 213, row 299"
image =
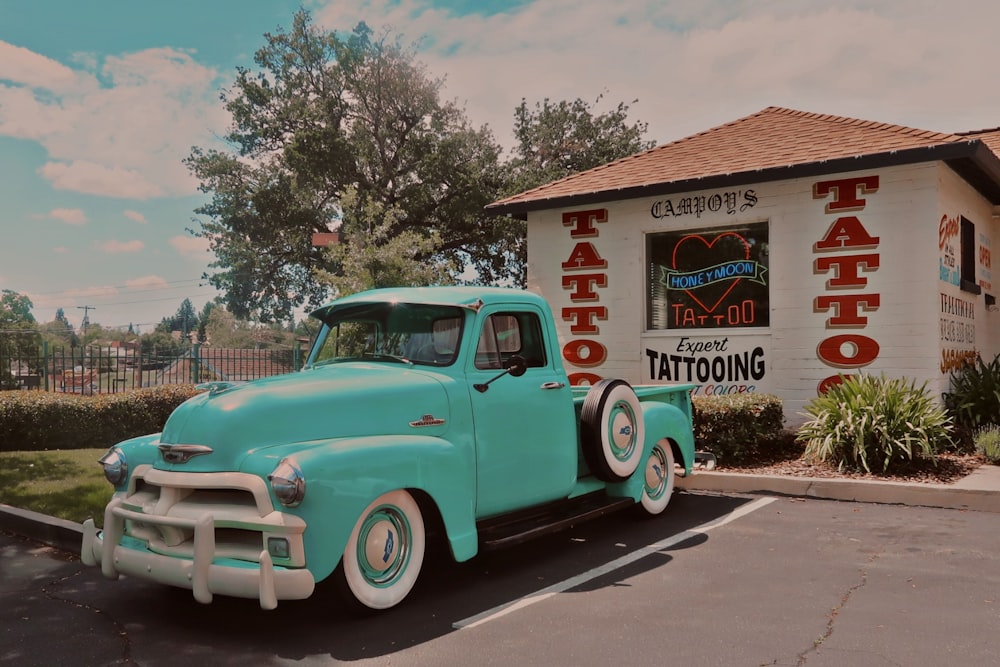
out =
column 507, row 334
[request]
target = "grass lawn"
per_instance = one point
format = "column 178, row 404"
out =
column 68, row 484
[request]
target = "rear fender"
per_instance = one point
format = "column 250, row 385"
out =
column 663, row 422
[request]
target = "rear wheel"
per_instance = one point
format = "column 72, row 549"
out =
column 384, row 552
column 658, row 484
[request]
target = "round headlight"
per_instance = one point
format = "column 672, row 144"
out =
column 288, row 483
column 115, row 466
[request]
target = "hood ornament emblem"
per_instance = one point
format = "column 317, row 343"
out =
column 182, row 453
column 427, row 420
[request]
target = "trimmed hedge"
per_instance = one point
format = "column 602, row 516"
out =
column 735, row 427
column 40, row 420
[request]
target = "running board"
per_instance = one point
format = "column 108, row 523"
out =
column 509, row 530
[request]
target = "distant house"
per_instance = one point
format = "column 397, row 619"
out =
column 774, row 254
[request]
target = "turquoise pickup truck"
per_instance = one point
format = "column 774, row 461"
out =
column 438, row 413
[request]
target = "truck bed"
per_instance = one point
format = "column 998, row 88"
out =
column 672, row 394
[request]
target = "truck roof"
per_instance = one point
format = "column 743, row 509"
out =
column 465, row 296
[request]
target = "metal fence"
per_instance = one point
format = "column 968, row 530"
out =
column 97, row 369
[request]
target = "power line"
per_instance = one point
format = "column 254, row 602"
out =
column 152, row 288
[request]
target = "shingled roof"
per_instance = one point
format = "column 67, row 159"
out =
column 772, row 144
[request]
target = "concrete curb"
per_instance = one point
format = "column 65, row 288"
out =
column 862, row 491
column 59, row 533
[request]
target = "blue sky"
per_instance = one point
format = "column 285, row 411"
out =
column 100, row 102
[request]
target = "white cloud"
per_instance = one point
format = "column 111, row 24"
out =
column 23, row 66
column 125, row 138
column 71, row 216
column 98, row 179
column 146, row 283
column 91, row 292
column 135, row 215
column 693, row 64
column 72, row 298
column 192, row 247
column 115, row 247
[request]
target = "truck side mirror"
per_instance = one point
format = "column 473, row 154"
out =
column 516, row 366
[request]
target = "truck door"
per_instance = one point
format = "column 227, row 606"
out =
column 525, row 427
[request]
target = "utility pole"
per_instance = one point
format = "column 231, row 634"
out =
column 86, row 318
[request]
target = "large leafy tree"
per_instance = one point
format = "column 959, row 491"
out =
column 324, row 115
column 378, row 255
column 19, row 337
column 557, row 139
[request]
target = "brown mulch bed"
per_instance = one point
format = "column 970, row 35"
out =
column 947, row 468
column 784, row 456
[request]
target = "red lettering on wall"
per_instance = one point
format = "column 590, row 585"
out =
column 583, row 318
column 848, row 350
column 831, row 351
column 845, row 269
column 846, row 308
column 584, row 285
column 577, row 379
column 948, row 229
column 845, row 192
column 582, row 222
column 585, row 352
column 584, row 256
column 831, row 381
column 846, row 232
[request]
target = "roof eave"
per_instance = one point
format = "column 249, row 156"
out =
column 974, row 158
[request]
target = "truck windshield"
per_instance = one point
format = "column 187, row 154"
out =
column 408, row 333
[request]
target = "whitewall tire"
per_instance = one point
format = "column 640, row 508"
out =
column 384, row 552
column 659, row 478
column 612, row 430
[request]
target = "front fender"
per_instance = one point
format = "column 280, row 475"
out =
column 344, row 476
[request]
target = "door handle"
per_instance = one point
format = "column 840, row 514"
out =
column 553, row 385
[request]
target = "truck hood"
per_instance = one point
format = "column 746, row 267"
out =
column 333, row 401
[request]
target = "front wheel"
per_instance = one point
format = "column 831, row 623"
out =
column 384, row 552
column 659, row 480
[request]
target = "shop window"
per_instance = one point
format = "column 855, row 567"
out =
column 708, row 278
column 968, row 257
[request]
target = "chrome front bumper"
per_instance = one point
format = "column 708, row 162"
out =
column 205, row 568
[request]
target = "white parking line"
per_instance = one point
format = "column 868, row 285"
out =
column 545, row 593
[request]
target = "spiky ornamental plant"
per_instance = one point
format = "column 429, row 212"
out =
column 974, row 399
column 874, row 424
column 987, row 440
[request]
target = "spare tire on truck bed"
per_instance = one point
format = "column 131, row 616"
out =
column 612, row 430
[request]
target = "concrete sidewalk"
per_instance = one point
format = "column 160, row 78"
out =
column 978, row 491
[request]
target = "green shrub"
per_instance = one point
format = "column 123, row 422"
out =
column 974, row 399
column 870, row 422
column 40, row 420
column 987, row 441
column 734, row 427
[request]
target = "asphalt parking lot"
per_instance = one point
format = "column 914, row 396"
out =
column 718, row 580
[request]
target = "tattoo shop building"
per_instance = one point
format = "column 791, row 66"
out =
column 774, row 254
